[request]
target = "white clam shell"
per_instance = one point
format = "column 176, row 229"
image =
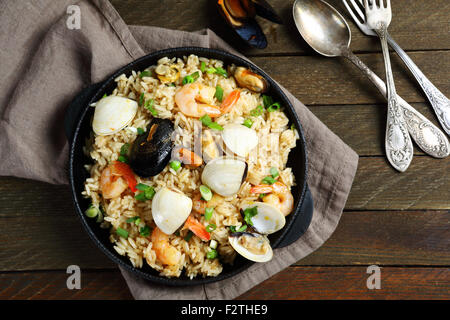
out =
column 239, row 139
column 224, row 175
column 243, row 251
column 170, row 210
column 268, row 220
column 112, row 114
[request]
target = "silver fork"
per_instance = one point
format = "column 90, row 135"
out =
column 398, row 144
column 439, row 102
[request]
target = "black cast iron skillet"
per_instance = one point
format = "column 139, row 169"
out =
column 78, row 127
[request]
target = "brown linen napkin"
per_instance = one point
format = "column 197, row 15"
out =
column 47, row 64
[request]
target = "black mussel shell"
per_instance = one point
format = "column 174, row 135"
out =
column 240, row 15
column 265, row 10
column 251, row 32
column 151, row 151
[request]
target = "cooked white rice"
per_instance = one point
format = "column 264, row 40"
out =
column 275, row 142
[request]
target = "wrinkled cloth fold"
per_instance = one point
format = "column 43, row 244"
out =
column 46, row 64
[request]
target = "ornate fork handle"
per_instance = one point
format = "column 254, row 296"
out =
column 439, row 102
column 428, row 137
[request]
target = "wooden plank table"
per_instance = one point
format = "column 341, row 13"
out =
column 399, row 222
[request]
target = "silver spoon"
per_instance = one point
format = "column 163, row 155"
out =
column 327, row 32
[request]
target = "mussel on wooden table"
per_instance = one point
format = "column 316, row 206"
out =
column 240, row 15
column 151, row 151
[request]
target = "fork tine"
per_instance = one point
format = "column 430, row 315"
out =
column 358, row 10
column 366, row 5
column 351, row 12
column 388, row 4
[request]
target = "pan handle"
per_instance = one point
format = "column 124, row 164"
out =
column 301, row 222
column 76, row 107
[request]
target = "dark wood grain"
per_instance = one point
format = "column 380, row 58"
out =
column 350, row 283
column 304, row 283
column 316, row 80
column 385, row 237
column 417, row 25
column 377, row 186
column 104, row 285
column 363, row 127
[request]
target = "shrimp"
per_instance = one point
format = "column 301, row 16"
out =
column 165, row 252
column 195, row 100
column 115, row 179
column 190, row 159
column 197, row 228
column 278, row 195
column 111, row 185
column 230, row 101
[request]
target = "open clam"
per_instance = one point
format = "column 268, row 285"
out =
column 252, row 246
column 112, row 114
column 170, row 210
column 267, row 219
column 239, row 139
column 224, row 175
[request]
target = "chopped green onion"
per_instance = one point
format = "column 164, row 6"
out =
column 211, row 70
column 248, row 123
column 175, row 165
column 249, row 213
column 104, row 96
column 274, row 107
column 233, row 229
column 92, row 211
column 215, row 126
column 211, row 227
column 144, row 231
column 267, row 100
column 122, row 232
column 140, row 131
column 141, row 99
column 99, row 217
column 149, row 106
column 191, row 78
column 205, row 192
column 142, row 187
column 292, row 127
column 123, row 159
column 219, row 93
column 242, row 228
column 144, row 73
column 206, row 120
column 269, row 180
column 202, row 66
column 213, row 244
column 133, row 219
column 262, row 195
column 140, row 196
column 208, row 213
column 149, row 193
column 188, row 236
column 124, row 149
column 257, row 111
column 187, row 79
column 138, row 221
column 274, row 172
column 222, row 72
column 212, row 254
column 195, row 75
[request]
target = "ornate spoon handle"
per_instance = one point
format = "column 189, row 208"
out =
column 428, row 137
column 439, row 102
column 399, row 149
